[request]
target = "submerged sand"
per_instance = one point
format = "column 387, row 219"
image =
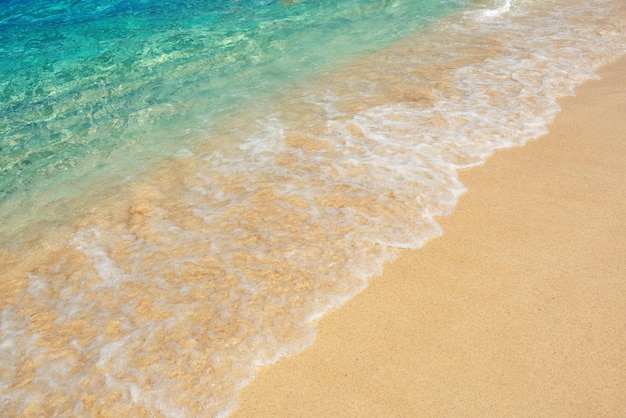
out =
column 517, row 310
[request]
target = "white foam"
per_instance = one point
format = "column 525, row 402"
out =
column 37, row 286
column 86, row 242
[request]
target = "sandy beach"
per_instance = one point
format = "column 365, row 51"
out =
column 518, row 309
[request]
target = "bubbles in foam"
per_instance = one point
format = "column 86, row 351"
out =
column 498, row 9
column 169, row 300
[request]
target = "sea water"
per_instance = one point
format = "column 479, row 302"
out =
column 186, row 186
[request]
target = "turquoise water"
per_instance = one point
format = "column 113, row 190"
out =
column 187, row 187
column 83, row 85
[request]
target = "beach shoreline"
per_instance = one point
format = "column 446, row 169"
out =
column 517, row 309
column 182, row 202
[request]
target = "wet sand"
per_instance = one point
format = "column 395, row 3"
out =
column 518, row 309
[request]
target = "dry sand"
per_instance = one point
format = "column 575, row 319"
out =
column 519, row 309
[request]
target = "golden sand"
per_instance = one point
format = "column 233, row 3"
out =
column 519, row 309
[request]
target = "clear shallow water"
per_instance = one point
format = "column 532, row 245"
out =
column 225, row 178
column 84, row 85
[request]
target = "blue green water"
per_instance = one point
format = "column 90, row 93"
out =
column 82, row 80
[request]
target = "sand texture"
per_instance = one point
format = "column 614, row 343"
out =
column 519, row 309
